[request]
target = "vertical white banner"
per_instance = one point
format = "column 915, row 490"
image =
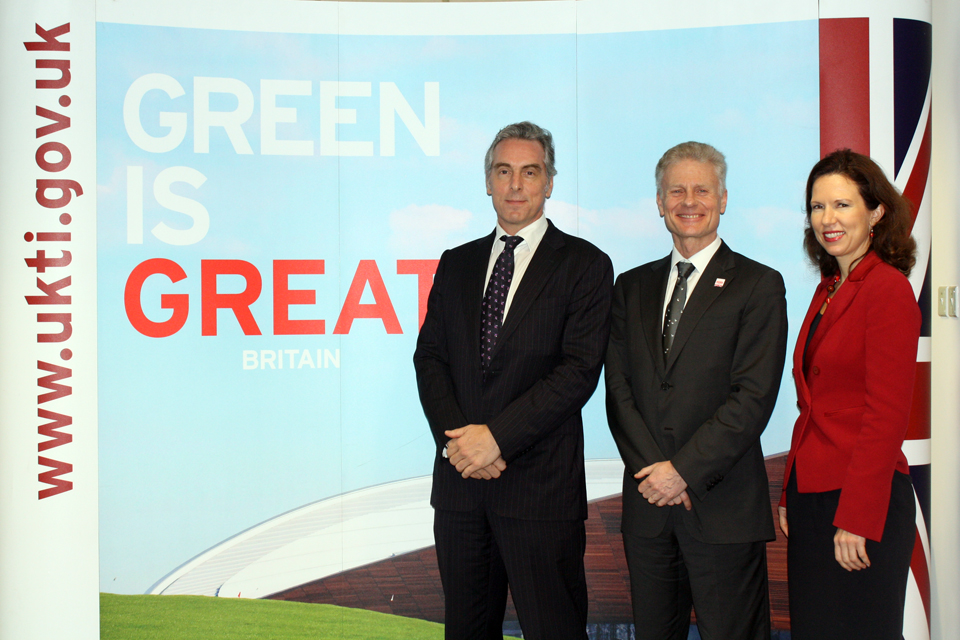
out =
column 48, row 339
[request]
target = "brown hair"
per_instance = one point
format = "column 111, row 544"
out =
column 891, row 234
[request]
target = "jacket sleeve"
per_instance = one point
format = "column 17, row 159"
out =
column 756, row 371
column 432, row 363
column 890, row 363
column 634, row 440
column 567, row 387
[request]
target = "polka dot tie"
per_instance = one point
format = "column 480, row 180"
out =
column 675, row 308
column 495, row 299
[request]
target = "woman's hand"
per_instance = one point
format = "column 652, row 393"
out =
column 850, row 550
column 783, row 520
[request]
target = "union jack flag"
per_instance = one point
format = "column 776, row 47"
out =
column 875, row 99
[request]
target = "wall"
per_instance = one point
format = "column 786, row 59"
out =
column 945, row 572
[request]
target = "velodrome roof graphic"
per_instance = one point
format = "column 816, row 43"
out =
column 331, row 536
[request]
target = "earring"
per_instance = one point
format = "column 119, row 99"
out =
column 871, row 232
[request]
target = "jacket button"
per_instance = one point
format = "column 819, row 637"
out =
column 816, row 371
column 664, row 386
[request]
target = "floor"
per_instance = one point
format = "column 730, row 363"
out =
column 622, row 632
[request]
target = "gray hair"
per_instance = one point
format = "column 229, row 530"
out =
column 523, row 131
column 699, row 151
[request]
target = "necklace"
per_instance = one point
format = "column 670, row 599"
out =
column 833, row 287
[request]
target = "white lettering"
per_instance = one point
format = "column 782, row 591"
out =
column 169, row 200
column 271, row 115
column 331, row 116
column 204, row 118
column 273, row 359
column 329, row 357
column 268, row 357
column 175, row 122
column 426, row 133
column 306, row 360
column 210, row 95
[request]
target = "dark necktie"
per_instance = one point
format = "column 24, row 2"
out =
column 675, row 308
column 495, row 299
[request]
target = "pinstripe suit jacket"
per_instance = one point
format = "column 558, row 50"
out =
column 544, row 368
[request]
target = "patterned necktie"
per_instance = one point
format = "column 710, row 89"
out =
column 495, row 299
column 675, row 308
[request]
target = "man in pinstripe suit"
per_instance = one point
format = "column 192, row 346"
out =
column 509, row 352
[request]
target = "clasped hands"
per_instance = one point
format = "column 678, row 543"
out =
column 662, row 485
column 474, row 452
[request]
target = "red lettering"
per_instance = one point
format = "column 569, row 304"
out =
column 57, row 147
column 65, row 187
column 57, row 390
column 178, row 303
column 66, row 327
column 50, row 42
column 239, row 303
column 52, row 477
column 367, row 272
column 424, row 270
column 59, row 122
column 41, row 262
column 50, row 430
column 283, row 297
column 51, row 292
column 59, row 83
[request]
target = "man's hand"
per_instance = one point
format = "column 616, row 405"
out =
column 850, row 550
column 683, row 499
column 492, row 472
column 662, row 485
column 472, row 448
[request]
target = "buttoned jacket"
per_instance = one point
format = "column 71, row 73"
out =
column 705, row 408
column 543, row 369
column 856, row 395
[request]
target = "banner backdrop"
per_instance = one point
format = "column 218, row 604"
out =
column 275, row 182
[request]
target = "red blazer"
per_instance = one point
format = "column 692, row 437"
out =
column 855, row 398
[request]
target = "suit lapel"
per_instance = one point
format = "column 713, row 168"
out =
column 722, row 265
column 541, row 266
column 842, row 300
column 818, row 297
column 474, row 282
column 653, row 287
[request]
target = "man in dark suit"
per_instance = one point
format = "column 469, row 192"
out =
column 696, row 355
column 510, row 350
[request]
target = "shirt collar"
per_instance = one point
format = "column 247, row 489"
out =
column 532, row 234
column 700, row 259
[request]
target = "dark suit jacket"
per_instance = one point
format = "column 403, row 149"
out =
column 856, row 396
column 545, row 367
column 704, row 410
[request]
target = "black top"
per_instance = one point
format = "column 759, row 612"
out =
column 813, row 328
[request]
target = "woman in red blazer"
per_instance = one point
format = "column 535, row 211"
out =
column 847, row 495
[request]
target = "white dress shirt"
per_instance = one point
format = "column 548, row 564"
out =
column 700, row 261
column 532, row 234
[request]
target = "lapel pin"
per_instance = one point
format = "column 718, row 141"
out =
column 720, row 282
